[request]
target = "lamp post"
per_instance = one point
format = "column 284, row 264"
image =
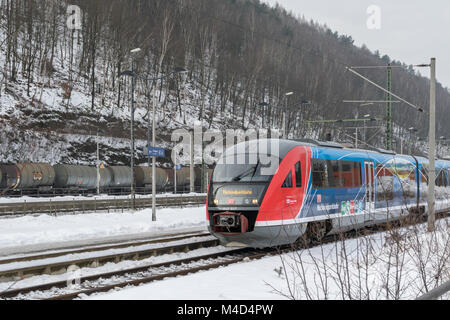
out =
column 440, row 145
column 264, row 105
column 98, row 162
column 367, row 116
column 133, row 83
column 411, row 131
column 154, row 82
column 432, row 146
column 432, row 142
column 300, row 103
column 285, row 112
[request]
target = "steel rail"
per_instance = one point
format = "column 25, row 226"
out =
column 162, row 276
column 85, row 249
column 64, row 284
column 96, row 261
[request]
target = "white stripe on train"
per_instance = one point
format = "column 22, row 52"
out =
column 440, row 205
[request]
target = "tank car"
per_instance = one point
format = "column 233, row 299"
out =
column 121, row 176
column 144, row 177
column 184, row 178
column 35, row 175
column 71, row 176
column 10, row 177
column 106, row 177
column 27, row 176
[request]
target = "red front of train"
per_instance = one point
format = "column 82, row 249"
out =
column 254, row 202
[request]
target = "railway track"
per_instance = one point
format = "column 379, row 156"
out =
column 103, row 282
column 54, row 263
column 94, row 205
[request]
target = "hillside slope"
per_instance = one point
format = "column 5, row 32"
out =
column 58, row 85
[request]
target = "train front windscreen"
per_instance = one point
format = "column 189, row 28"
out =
column 237, row 184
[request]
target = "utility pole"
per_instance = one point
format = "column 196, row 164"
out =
column 204, row 186
column 98, row 166
column 432, row 146
column 285, row 116
column 175, row 176
column 133, row 81
column 356, row 132
column 389, row 129
column 154, row 158
column 191, row 176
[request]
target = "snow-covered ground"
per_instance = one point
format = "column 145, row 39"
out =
column 28, row 230
column 390, row 273
column 382, row 266
column 242, row 281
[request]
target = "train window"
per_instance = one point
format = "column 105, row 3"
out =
column 346, row 174
column 232, row 171
column 336, row 174
column 385, row 184
column 336, row 169
column 441, row 179
column 357, row 174
column 319, row 174
column 298, row 175
column 288, row 182
column 424, row 174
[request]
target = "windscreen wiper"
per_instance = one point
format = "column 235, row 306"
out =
column 245, row 173
column 256, row 167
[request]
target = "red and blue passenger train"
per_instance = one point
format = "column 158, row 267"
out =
column 315, row 188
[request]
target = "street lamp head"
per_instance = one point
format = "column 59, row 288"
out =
column 136, row 50
column 289, row 94
column 180, row 70
column 367, row 116
column 128, row 73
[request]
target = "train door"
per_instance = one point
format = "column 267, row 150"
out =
column 289, row 196
column 369, row 169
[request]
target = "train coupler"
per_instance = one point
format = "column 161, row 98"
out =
column 230, row 223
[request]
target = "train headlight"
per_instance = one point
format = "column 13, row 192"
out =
column 216, row 202
column 255, row 201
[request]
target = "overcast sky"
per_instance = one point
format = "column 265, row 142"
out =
column 409, row 31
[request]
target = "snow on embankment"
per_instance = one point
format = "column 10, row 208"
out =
column 45, row 229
